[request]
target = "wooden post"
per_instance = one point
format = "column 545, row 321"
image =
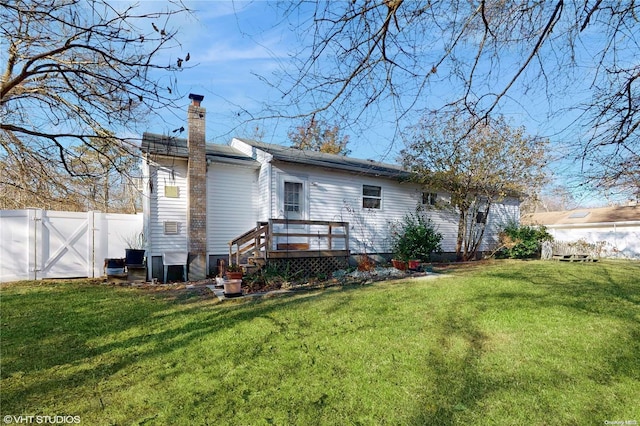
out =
column 346, row 236
column 268, row 237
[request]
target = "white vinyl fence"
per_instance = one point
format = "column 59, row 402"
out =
column 38, row 244
column 619, row 240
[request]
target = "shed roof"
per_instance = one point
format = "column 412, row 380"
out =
column 583, row 216
column 333, row 161
column 164, row 145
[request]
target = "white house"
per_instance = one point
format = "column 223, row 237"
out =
column 616, row 229
column 200, row 196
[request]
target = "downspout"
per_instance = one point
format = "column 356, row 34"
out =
column 147, row 193
column 270, row 190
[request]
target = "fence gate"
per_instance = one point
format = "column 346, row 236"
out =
column 65, row 248
column 39, row 244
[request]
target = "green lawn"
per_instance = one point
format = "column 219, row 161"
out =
column 513, row 343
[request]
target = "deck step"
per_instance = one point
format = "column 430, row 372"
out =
column 261, row 261
column 251, row 268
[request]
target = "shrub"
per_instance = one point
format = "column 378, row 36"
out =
column 415, row 237
column 522, row 242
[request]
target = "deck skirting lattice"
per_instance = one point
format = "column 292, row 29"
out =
column 309, row 266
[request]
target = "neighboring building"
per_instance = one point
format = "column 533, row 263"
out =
column 199, row 197
column 617, row 229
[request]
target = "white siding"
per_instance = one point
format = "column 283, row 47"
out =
column 264, row 187
column 162, row 208
column 500, row 215
column 446, row 222
column 232, row 206
column 338, row 196
column 264, row 192
column 335, row 195
column 237, row 197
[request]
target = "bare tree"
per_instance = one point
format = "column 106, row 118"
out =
column 80, row 74
column 28, row 180
column 477, row 166
column 362, row 57
column 100, row 184
column 552, row 198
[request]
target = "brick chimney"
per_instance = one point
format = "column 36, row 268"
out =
column 197, row 184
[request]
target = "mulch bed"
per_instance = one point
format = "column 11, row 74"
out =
column 198, row 289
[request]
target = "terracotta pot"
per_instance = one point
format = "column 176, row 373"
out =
column 414, row 265
column 233, row 288
column 234, row 275
column 399, row 264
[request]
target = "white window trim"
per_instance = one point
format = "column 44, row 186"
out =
column 279, row 202
column 362, row 197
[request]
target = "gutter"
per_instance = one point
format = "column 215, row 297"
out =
column 592, row 225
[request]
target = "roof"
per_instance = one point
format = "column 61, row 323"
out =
column 164, row 145
column 333, row 161
column 584, row 216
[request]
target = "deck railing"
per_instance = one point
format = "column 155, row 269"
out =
column 283, row 238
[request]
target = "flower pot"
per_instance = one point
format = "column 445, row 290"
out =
column 134, row 257
column 235, row 275
column 232, row 288
column 114, row 267
column 414, row 265
column 399, row 264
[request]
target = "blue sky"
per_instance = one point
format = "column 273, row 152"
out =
column 231, row 43
column 228, row 42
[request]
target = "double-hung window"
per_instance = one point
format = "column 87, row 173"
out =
column 429, row 198
column 371, row 197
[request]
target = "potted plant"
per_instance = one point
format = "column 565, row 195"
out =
column 232, row 288
column 399, row 263
column 233, row 284
column 414, row 239
column 234, row 272
column 134, row 254
column 414, row 264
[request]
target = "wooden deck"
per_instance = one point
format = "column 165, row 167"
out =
column 282, row 239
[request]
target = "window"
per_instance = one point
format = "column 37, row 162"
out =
column 292, row 194
column 371, row 197
column 429, row 198
column 481, row 217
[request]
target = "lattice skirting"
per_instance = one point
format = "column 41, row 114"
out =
column 309, row 266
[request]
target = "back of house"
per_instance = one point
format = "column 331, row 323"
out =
column 202, row 196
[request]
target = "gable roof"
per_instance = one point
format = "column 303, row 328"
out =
column 584, row 216
column 167, row 146
column 332, row 161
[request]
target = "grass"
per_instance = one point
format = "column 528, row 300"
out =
column 510, row 342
